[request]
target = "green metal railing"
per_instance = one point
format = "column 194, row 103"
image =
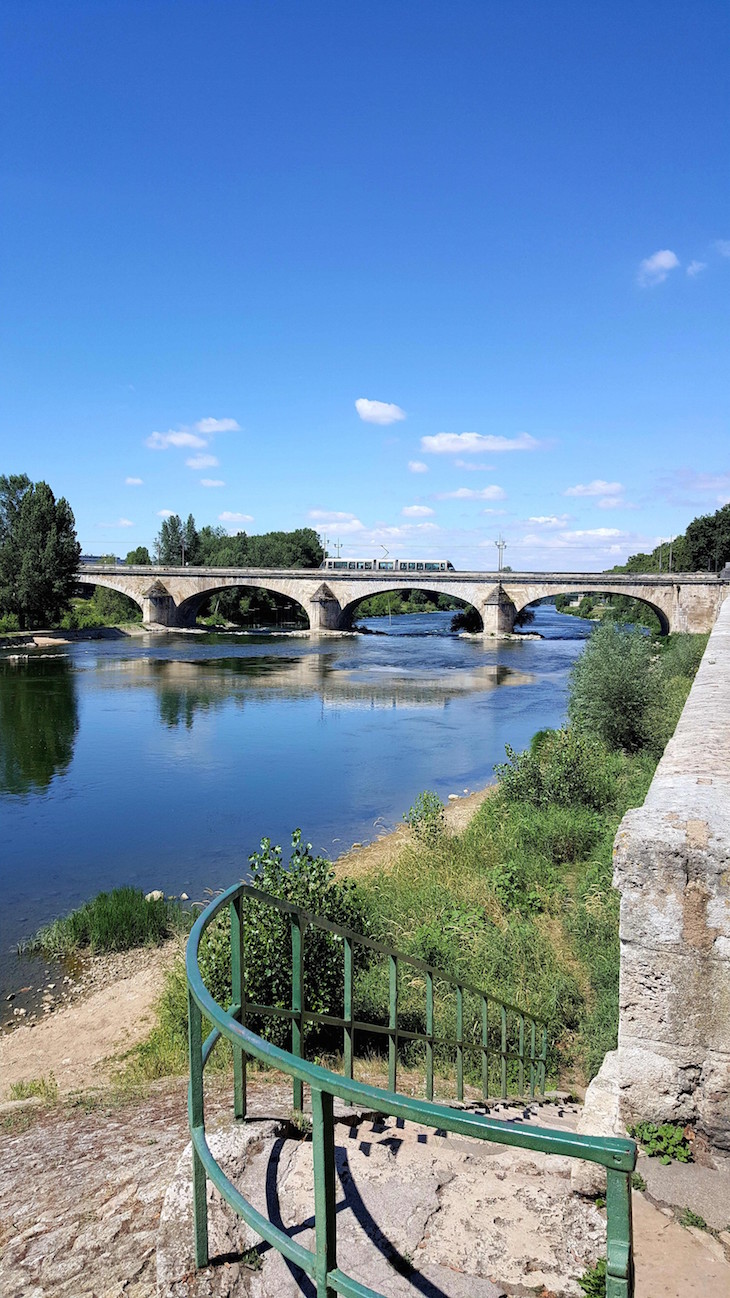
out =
column 515, row 1026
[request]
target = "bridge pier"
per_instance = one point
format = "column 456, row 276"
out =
column 159, row 607
column 498, row 613
column 325, row 611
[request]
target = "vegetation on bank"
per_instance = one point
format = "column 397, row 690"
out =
column 39, row 554
column 112, row 921
column 520, row 903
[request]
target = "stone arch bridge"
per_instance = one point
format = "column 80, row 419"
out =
column 171, row 597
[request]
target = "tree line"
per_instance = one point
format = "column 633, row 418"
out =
column 703, row 547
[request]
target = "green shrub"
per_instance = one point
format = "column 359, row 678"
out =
column 427, row 817
column 9, row 622
column 613, row 686
column 309, row 882
column 567, row 767
column 112, row 921
column 665, row 1141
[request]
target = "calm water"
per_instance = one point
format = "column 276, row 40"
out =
column 162, row 761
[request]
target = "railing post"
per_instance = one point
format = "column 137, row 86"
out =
column 459, row 1042
column 393, row 1023
column 485, row 1048
column 197, row 1123
column 503, row 1013
column 297, row 1002
column 619, row 1241
column 325, row 1217
column 532, row 1059
column 347, row 1012
column 521, row 1063
column 542, row 1066
column 239, row 998
column 429, row 1036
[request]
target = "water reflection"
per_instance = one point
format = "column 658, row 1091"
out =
column 185, row 688
column 38, row 722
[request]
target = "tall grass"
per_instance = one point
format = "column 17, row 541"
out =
column 112, row 921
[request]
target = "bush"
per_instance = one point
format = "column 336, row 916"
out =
column 112, row 921
column 9, row 622
column 309, row 882
column 427, row 817
column 566, row 767
column 613, row 687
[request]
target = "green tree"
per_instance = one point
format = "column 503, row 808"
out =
column 139, row 557
column 169, row 542
column 614, row 687
column 191, row 541
column 39, row 553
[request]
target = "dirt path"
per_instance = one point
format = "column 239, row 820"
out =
column 78, row 1041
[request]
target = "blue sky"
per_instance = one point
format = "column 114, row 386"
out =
column 412, row 273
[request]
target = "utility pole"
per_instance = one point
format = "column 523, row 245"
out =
column 501, row 545
column 338, row 544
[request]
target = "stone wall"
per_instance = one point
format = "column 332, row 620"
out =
column 672, row 868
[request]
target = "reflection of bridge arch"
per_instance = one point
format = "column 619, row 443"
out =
column 395, row 587
column 187, row 609
column 663, row 616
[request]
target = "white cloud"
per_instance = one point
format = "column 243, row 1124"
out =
column 212, row 482
column 603, row 533
column 202, row 462
column 211, row 426
column 174, row 437
column 121, row 522
column 613, row 502
column 378, row 412
column 417, row 466
column 654, row 270
column 723, row 247
column 473, row 468
column 344, row 523
column 549, row 520
column 228, row 517
column 695, row 267
column 133, row 482
column 595, row 488
column 469, row 493
column 165, row 513
column 416, row 511
column 475, row 443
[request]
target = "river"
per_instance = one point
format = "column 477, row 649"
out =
column 161, row 761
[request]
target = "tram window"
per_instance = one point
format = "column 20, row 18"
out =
column 352, row 565
column 386, row 567
column 419, row 567
column 411, row 567
column 339, row 563
column 431, row 567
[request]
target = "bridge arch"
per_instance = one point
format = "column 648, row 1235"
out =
column 349, row 610
column 122, row 585
column 188, row 608
column 522, row 597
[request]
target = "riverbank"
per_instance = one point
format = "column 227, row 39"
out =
column 59, row 636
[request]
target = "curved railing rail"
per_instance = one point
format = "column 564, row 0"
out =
column 616, row 1155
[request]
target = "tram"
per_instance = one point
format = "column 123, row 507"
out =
column 388, row 565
